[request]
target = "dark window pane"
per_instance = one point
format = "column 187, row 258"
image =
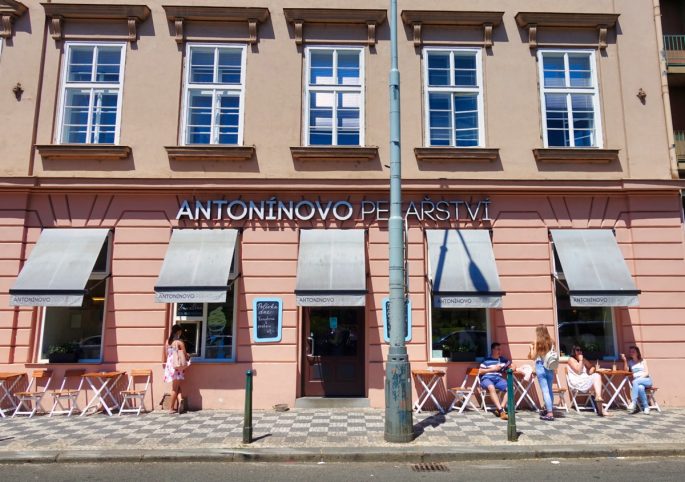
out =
column 461, row 331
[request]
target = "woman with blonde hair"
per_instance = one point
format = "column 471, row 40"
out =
column 538, row 350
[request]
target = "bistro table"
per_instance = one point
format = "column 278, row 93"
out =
column 102, row 384
column 8, row 380
column 615, row 382
column 522, row 390
column 428, row 380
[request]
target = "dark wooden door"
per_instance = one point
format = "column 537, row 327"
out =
column 333, row 352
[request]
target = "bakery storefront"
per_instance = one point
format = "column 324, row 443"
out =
column 295, row 286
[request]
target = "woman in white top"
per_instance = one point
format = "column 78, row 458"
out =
column 583, row 377
column 641, row 378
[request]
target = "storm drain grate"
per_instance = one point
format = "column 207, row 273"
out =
column 430, row 467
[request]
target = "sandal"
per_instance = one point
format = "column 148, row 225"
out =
column 547, row 418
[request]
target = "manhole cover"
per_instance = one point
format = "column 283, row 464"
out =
column 430, row 467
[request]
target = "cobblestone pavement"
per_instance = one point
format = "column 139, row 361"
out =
column 331, row 428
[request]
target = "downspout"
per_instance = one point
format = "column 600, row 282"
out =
column 665, row 96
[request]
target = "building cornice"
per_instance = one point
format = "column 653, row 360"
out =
column 601, row 22
column 418, row 19
column 252, row 16
column 10, row 10
column 59, row 12
column 370, row 18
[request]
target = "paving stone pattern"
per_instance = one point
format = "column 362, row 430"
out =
column 322, row 428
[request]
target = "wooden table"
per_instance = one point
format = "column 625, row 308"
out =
column 427, row 381
column 8, row 380
column 102, row 383
column 614, row 385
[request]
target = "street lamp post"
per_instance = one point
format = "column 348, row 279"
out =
column 398, row 416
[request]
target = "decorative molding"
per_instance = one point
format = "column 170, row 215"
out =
column 598, row 21
column 456, row 154
column 371, row 18
column 83, row 152
column 575, row 155
column 417, row 19
column 59, row 12
column 10, row 10
column 334, row 153
column 253, row 16
column 210, row 153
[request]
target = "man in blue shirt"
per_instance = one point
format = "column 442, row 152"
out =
column 491, row 377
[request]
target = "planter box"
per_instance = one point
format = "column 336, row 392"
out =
column 63, row 357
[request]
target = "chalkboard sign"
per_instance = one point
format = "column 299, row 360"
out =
column 268, row 319
column 386, row 320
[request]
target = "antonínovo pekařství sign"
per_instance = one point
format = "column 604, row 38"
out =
column 274, row 209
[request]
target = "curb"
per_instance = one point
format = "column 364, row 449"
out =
column 344, row 454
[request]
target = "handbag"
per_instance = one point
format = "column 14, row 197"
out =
column 551, row 359
column 179, row 360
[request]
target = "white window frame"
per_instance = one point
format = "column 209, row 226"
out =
column 488, row 335
column 90, row 85
column 335, row 89
column 95, row 275
column 593, row 90
column 217, row 89
column 452, row 89
column 203, row 332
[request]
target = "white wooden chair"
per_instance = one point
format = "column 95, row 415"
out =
column 465, row 392
column 135, row 397
column 65, row 398
column 651, row 391
column 31, row 399
column 560, row 393
column 586, row 404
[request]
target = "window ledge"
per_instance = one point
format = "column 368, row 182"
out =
column 576, row 155
column 210, row 153
column 531, row 21
column 456, row 154
column 252, row 16
column 334, row 153
column 417, row 19
column 59, row 12
column 10, row 10
column 87, row 152
column 370, row 18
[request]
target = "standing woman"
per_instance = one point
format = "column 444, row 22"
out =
column 641, row 378
column 176, row 360
column 538, row 350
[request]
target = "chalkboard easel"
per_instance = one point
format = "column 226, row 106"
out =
column 267, row 319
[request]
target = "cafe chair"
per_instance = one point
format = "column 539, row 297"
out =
column 466, row 392
column 559, row 394
column 587, row 402
column 65, row 398
column 135, row 396
column 33, row 396
column 650, row 392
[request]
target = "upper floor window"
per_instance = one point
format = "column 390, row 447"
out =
column 214, row 94
column 453, row 97
column 91, row 93
column 334, row 97
column 570, row 100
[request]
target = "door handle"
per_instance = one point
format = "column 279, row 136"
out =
column 311, row 340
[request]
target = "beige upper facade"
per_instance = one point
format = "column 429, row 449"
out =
column 632, row 127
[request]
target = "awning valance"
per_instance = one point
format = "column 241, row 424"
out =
column 58, row 268
column 197, row 266
column 331, row 268
column 594, row 268
column 462, row 269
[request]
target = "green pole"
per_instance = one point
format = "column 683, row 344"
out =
column 398, row 415
column 247, row 420
column 512, row 435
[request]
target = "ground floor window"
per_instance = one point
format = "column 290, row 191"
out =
column 208, row 328
column 459, row 334
column 75, row 334
column 591, row 328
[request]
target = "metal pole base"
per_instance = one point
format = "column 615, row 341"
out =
column 398, row 413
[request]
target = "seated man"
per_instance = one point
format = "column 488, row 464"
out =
column 492, row 379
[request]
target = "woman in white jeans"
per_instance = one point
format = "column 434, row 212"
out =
column 641, row 378
column 543, row 344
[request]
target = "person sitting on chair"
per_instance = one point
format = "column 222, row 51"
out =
column 582, row 376
column 491, row 376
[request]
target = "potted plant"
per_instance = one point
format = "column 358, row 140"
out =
column 63, row 353
column 460, row 351
column 592, row 351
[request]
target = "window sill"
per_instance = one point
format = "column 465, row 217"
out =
column 456, row 154
column 575, row 155
column 86, row 152
column 334, row 153
column 210, row 153
column 208, row 361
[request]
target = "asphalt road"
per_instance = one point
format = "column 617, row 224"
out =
column 618, row 469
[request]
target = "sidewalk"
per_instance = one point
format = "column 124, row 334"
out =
column 335, row 435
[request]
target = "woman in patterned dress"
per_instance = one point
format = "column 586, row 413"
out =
column 174, row 346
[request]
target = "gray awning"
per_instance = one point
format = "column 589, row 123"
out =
column 462, row 269
column 197, row 266
column 58, row 268
column 331, row 268
column 594, row 268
